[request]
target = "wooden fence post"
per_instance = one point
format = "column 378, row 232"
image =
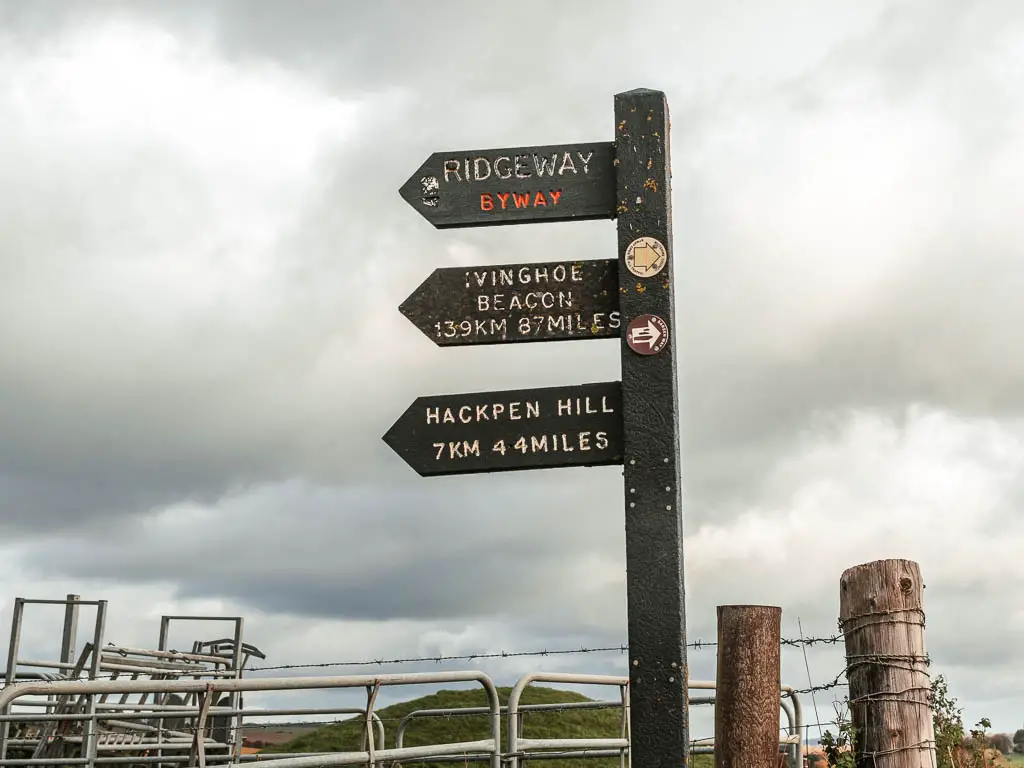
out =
column 882, row 617
column 748, row 686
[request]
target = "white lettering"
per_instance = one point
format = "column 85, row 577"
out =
column 563, row 442
column 470, row 169
column 477, row 175
column 457, row 449
column 451, row 167
column 497, row 171
column 540, row 164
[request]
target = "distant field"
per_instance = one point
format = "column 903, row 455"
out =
column 276, row 734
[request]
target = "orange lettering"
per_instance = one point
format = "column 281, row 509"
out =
column 504, row 200
column 521, row 201
column 539, row 199
column 555, row 194
column 486, row 202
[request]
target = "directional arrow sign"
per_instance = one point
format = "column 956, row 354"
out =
column 553, row 301
column 477, row 188
column 578, row 425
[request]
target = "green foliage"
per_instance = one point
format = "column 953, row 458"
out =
column 954, row 748
column 839, row 748
column 947, row 719
column 569, row 724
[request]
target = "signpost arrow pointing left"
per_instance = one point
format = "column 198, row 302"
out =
column 486, row 187
column 544, row 428
column 507, row 303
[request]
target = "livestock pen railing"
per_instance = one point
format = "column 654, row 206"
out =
column 81, row 727
column 519, row 747
column 143, row 728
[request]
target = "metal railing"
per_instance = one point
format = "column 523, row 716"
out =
column 519, row 747
column 145, row 733
column 185, row 745
column 406, row 721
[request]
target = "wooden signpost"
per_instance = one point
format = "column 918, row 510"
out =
column 633, row 423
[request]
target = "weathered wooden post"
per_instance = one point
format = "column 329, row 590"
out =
column 748, row 686
column 882, row 617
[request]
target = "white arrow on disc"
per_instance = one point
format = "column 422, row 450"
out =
column 650, row 334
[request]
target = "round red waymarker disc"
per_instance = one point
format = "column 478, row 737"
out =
column 647, row 334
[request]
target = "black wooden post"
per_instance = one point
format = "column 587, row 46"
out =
column 659, row 721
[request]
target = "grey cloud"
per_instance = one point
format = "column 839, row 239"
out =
column 213, row 405
column 361, row 554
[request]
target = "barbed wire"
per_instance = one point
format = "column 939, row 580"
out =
column 441, row 658
column 698, row 645
column 836, row 682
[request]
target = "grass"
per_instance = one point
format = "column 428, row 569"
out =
column 569, row 724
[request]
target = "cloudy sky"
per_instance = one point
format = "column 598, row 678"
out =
column 202, row 252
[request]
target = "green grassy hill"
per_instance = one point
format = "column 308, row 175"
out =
column 345, row 736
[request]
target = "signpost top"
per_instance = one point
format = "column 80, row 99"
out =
column 486, row 187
